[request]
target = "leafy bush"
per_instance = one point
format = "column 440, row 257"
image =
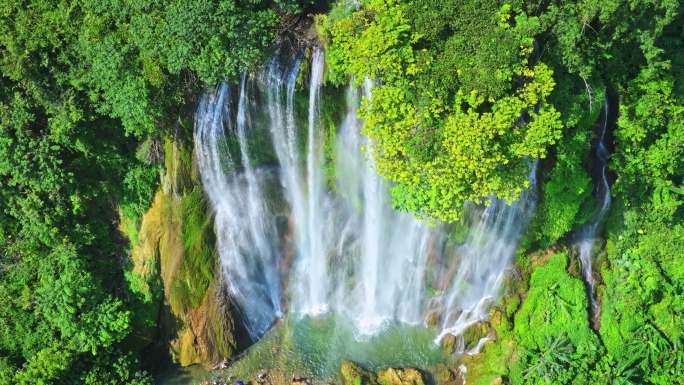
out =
column 444, row 130
column 567, row 201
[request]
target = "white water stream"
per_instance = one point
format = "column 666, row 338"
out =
column 352, row 253
column 588, row 233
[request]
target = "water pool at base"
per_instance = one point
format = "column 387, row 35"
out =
column 314, row 348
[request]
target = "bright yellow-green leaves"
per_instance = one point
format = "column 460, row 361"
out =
column 443, row 149
column 380, row 39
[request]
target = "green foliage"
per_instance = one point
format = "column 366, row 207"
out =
column 56, row 241
column 113, row 369
column 567, row 188
column 566, row 191
column 650, row 132
column 643, row 313
column 552, row 325
column 214, row 39
column 81, row 83
column 642, row 321
column 445, row 139
column 551, row 362
column 45, row 367
column 138, row 187
column 128, row 58
column 467, row 92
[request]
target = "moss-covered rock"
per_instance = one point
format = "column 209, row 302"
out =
column 556, row 304
column 174, row 265
column 445, row 375
column 492, row 363
column 473, row 335
column 553, row 319
column 450, row 343
column 499, row 321
column 400, row 376
column 353, row 374
column 206, row 336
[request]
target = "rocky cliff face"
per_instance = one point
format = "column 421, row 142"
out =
column 175, row 269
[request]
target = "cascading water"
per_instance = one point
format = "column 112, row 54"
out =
column 386, row 251
column 347, row 235
column 246, row 233
column 485, row 257
column 354, row 255
column 312, row 268
column 589, row 232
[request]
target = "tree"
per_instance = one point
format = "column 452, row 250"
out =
column 442, row 131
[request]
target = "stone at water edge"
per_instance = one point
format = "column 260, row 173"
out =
column 301, row 381
column 469, row 340
column 432, row 319
column 353, row 374
column 473, row 335
column 448, row 376
column 450, row 344
column 407, row 376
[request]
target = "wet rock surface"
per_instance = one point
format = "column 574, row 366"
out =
column 353, row 374
column 400, row 376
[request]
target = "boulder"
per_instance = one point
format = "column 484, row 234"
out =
column 472, row 335
column 448, row 376
column 400, row 376
column 432, row 319
column 451, row 344
column 300, row 381
column 353, row 374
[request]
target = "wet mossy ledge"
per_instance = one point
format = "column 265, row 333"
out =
column 183, row 310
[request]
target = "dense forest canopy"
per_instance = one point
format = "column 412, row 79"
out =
column 468, row 93
column 83, row 84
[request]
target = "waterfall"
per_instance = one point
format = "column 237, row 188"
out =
column 347, row 235
column 246, row 233
column 485, row 257
column 589, row 232
column 388, row 250
column 312, row 270
column 353, row 255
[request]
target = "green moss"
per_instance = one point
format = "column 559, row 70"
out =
column 641, row 307
column 196, row 271
column 492, row 363
column 220, row 327
column 556, row 303
column 353, row 374
column 404, row 376
column 142, row 278
column 129, row 226
column 179, row 175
